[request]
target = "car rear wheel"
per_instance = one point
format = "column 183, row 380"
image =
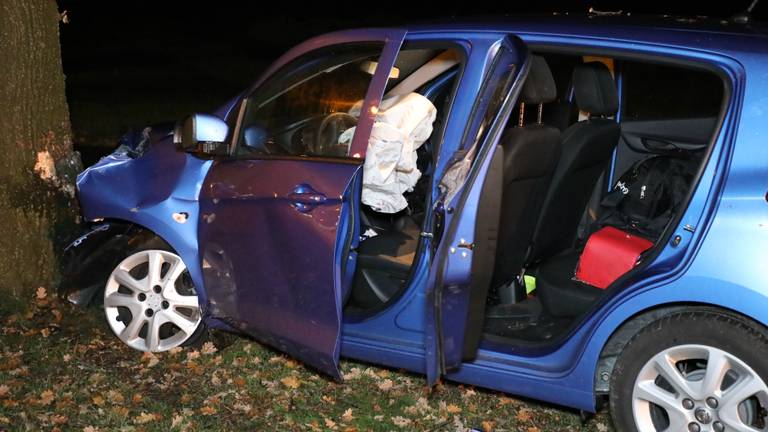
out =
column 151, row 303
column 692, row 371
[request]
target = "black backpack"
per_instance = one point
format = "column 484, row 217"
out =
column 646, row 197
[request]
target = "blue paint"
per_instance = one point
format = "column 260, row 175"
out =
column 721, row 262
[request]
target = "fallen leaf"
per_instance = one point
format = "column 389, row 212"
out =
column 41, row 293
column 144, row 418
column 90, row 429
column 136, row 398
column 98, row 400
column 4, row 390
column 208, row 410
column 59, row 419
column 488, row 426
column 215, row 380
column 524, row 415
column 115, row 397
column 208, row 348
column 176, row 421
column 46, row 397
column 533, row 429
column 291, row 382
column 347, row 416
column 150, row 358
column 386, row 385
column 401, row 421
column 453, row 409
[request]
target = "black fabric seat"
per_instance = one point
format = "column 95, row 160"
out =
column 586, row 152
column 531, row 153
column 560, row 294
column 383, row 264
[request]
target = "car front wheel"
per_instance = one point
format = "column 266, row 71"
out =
column 151, row 303
column 693, row 371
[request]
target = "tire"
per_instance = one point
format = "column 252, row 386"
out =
column 149, row 299
column 696, row 370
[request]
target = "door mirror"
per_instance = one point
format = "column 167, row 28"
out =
column 201, row 133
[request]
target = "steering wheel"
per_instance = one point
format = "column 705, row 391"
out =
column 331, row 128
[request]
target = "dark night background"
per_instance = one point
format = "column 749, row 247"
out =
column 132, row 63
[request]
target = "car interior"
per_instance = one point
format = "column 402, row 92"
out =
column 390, row 240
column 574, row 142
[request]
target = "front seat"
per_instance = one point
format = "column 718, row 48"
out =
column 531, row 153
column 586, row 152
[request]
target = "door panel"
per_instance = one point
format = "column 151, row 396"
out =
column 465, row 253
column 278, row 222
column 267, row 243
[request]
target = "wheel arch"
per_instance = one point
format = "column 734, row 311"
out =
column 631, row 326
column 88, row 259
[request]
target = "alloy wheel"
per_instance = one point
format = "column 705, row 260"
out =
column 698, row 388
column 150, row 301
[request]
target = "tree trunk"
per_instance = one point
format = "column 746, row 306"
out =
column 38, row 210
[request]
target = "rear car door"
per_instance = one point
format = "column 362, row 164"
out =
column 277, row 224
column 460, row 275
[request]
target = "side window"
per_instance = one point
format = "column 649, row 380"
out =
column 657, row 92
column 311, row 106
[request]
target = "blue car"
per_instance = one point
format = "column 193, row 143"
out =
column 571, row 209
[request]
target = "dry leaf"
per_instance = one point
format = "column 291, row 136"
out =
column 488, row 426
column 176, row 421
column 90, row 429
column 41, row 293
column 4, row 390
column 208, row 348
column 347, row 416
column 386, row 385
column 453, row 409
column 524, row 415
column 208, row 410
column 98, row 400
column 401, row 421
column 291, row 382
column 330, row 423
column 46, row 397
column 150, row 358
column 59, row 419
column 144, row 418
column 115, row 397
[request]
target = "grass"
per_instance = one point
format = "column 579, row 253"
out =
column 62, row 369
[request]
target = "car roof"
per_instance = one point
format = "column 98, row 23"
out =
column 698, row 32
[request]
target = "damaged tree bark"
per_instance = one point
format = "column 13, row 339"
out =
column 38, row 210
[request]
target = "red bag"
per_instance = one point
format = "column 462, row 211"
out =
column 609, row 253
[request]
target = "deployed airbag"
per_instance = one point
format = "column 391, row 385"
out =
column 402, row 125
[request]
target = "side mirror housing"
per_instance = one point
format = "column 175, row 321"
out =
column 201, row 133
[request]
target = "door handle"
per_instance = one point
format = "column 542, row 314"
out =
column 304, row 198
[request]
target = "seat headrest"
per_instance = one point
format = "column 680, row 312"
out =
column 539, row 86
column 594, row 89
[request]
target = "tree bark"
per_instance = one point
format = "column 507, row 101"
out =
column 38, row 210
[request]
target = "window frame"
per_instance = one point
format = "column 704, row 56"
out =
column 391, row 40
column 237, row 139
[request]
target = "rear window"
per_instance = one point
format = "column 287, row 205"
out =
column 655, row 92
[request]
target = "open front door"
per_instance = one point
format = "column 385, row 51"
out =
column 470, row 206
column 277, row 223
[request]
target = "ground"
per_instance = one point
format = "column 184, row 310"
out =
column 62, row 369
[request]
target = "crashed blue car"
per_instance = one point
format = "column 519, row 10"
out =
column 571, row 209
